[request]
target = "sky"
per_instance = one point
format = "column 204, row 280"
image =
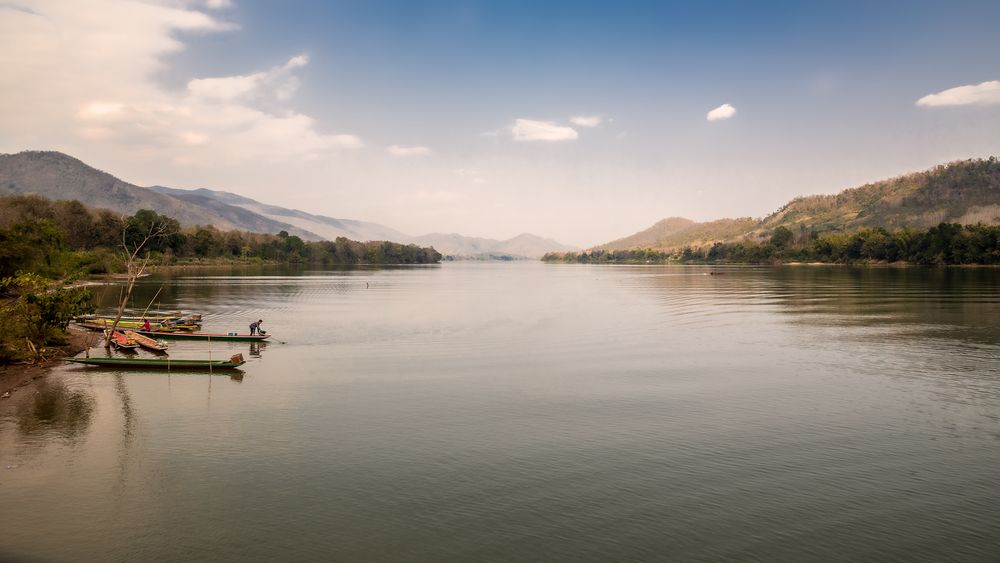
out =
column 580, row 121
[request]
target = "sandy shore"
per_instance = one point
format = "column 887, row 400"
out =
column 17, row 378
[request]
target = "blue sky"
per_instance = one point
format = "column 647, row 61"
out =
column 459, row 116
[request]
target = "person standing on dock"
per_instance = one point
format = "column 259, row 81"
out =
column 255, row 327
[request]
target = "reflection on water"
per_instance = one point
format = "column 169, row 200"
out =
column 490, row 412
column 55, row 411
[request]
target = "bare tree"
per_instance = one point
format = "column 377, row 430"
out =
column 135, row 265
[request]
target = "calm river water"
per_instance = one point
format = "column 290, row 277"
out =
column 532, row 412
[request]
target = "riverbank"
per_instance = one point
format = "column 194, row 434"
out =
column 16, row 378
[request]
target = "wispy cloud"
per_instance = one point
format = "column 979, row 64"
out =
column 586, row 120
column 278, row 82
column 531, row 130
column 399, row 151
column 982, row 94
column 725, row 111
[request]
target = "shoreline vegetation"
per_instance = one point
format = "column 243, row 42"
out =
column 947, row 244
column 22, row 375
column 49, row 248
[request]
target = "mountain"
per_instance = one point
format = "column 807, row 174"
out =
column 524, row 245
column 963, row 192
column 324, row 227
column 676, row 232
column 55, row 175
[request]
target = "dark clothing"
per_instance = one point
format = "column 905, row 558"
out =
column 254, row 328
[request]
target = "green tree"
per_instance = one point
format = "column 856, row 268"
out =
column 781, row 237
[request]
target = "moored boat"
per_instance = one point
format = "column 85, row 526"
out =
column 139, row 315
column 146, row 342
column 122, row 341
column 162, row 363
column 102, row 324
column 156, row 314
column 221, row 337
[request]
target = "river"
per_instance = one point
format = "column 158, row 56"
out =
column 531, row 412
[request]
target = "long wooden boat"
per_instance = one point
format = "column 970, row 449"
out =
column 134, row 318
column 156, row 314
column 221, row 337
column 162, row 363
column 102, row 324
column 146, row 342
column 164, row 321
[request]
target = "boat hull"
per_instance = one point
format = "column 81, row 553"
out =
column 146, row 342
column 101, row 324
column 159, row 363
column 205, row 336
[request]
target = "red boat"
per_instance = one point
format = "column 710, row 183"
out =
column 119, row 340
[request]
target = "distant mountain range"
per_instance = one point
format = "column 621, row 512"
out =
column 317, row 226
column 55, row 175
column 964, row 192
column 524, row 245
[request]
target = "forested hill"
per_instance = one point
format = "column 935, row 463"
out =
column 58, row 176
column 965, row 192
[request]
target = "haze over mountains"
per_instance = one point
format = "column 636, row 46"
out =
column 965, row 192
column 524, row 244
column 55, row 175
column 317, row 226
column 961, row 192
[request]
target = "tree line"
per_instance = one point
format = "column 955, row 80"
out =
column 60, row 238
column 945, row 244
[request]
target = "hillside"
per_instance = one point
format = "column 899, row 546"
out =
column 677, row 232
column 57, row 176
column 965, row 192
column 325, row 227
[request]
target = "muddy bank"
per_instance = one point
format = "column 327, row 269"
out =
column 16, row 377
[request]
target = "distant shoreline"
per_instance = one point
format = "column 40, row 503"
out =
column 779, row 264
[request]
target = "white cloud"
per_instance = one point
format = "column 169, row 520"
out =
column 218, row 4
column 530, row 130
column 278, row 83
column 399, row 151
column 725, row 111
column 194, row 138
column 586, row 120
column 225, row 88
column 100, row 110
column 87, row 71
column 982, row 94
